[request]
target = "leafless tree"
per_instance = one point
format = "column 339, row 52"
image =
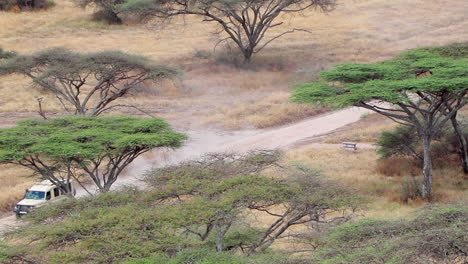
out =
column 244, row 22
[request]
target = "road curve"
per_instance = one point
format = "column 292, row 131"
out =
column 202, row 142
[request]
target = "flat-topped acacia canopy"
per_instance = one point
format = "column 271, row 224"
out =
column 86, row 83
column 100, row 146
column 392, row 81
column 422, row 88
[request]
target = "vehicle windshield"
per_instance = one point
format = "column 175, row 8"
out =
column 35, row 195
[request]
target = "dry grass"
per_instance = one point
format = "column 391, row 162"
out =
column 361, row 31
column 14, row 182
column 366, row 130
column 368, row 134
column 366, row 30
column 359, row 170
column 274, row 110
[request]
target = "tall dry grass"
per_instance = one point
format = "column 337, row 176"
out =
column 366, row 30
column 274, row 110
column 13, row 181
column 370, row 133
column 358, row 170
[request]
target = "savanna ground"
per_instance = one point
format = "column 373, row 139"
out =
column 214, row 94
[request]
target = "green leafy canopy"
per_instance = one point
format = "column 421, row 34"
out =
column 391, row 81
column 81, row 137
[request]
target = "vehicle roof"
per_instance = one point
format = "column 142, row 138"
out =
column 43, row 186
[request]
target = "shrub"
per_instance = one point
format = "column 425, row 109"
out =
column 4, row 54
column 50, row 4
column 398, row 166
column 188, row 212
column 410, row 190
column 401, row 153
column 7, row 5
column 400, row 141
column 106, row 10
column 437, row 233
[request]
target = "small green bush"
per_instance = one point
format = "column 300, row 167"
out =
column 437, row 233
column 50, row 4
column 4, row 54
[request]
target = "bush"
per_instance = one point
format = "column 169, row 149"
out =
column 50, row 4
column 399, row 166
column 3, row 53
column 188, row 212
column 401, row 141
column 401, row 151
column 106, row 10
column 107, row 16
column 204, row 256
column 7, row 5
column 410, row 190
column 437, row 233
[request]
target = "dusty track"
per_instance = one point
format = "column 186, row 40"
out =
column 202, row 142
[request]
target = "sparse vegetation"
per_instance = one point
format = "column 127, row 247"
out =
column 274, row 110
column 4, row 54
column 245, row 23
column 85, row 84
column 106, row 10
column 253, row 208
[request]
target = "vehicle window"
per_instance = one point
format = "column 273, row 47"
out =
column 56, row 192
column 36, row 195
column 48, row 196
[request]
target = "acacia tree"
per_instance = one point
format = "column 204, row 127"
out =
column 87, row 83
column 212, row 196
column 244, row 22
column 393, row 89
column 73, row 147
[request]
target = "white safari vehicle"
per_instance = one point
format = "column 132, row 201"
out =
column 39, row 194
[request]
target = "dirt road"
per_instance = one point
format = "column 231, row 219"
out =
column 202, row 142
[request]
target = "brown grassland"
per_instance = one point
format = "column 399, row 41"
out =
column 214, row 93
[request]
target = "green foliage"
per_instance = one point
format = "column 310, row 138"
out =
column 204, row 256
column 390, row 81
column 89, row 83
column 79, row 137
column 438, row 233
column 404, row 141
column 73, row 146
column 401, row 141
column 4, row 54
column 166, row 223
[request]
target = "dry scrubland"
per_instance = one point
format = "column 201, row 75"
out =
column 212, row 92
column 359, row 30
column 359, row 170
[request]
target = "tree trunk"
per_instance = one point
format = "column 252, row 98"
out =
column 220, row 238
column 248, row 53
column 463, row 151
column 427, row 168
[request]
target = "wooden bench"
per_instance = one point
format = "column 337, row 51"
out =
column 350, row 145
